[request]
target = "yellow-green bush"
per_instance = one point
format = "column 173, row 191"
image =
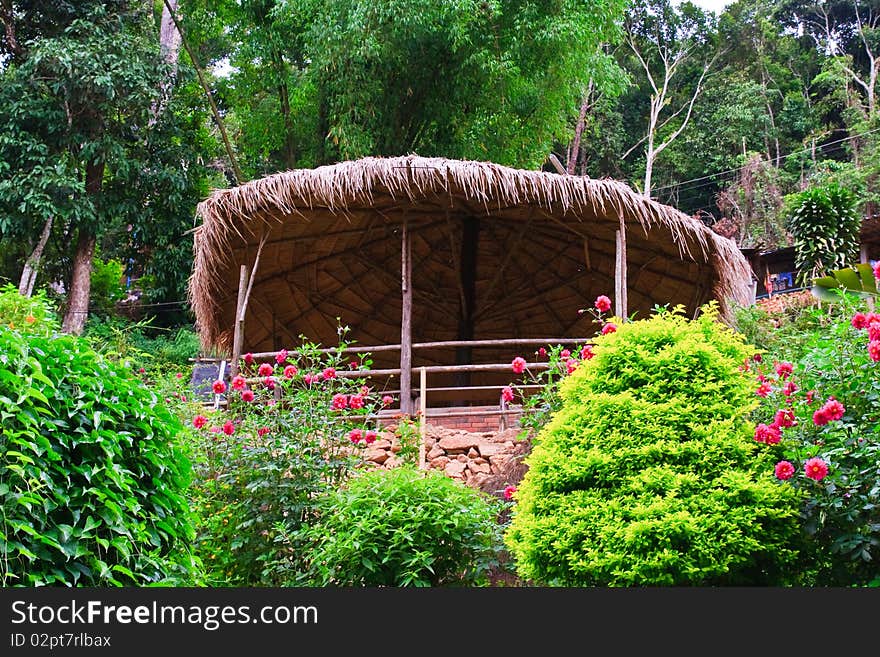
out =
column 649, row 474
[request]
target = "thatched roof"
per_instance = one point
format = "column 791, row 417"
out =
column 546, row 248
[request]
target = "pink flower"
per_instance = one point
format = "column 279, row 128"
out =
column 571, row 365
column 247, row 395
column 219, row 387
column 810, row 395
column 265, row 369
column 269, row 382
column 784, row 418
column 308, row 378
column 587, row 352
column 354, row 365
column 789, row 388
column 834, row 408
column 179, row 375
column 507, row 394
column 262, row 431
column 821, row 417
column 387, row 400
column 602, row 303
column 508, row 492
column 355, row 435
column 370, row 437
column 365, row 390
column 339, row 401
column 874, row 329
column 542, row 353
column 249, row 358
column 757, row 358
column 281, row 356
column 815, row 468
column 763, row 390
column 564, row 354
column 141, row 370
column 783, row 369
column 329, row 373
column 290, row 372
column 199, row 421
column 238, row 382
column 518, row 364
column 228, row 428
column 356, row 401
column 768, row 434
column 784, row 470
column 859, row 321
column 877, row 270
column 874, row 350
column 609, row 328
column 214, row 429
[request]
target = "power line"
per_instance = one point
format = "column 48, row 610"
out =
column 804, row 150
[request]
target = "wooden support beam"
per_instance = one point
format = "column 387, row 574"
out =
column 620, row 271
column 406, row 320
column 423, row 415
column 238, row 326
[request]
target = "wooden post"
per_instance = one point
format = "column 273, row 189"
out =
column 238, row 326
column 219, row 378
column 620, row 272
column 423, row 415
column 502, row 419
column 406, row 321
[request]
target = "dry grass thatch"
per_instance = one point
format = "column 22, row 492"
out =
column 545, row 249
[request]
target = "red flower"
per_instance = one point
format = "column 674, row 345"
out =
column 859, row 321
column 784, row 470
column 265, row 369
column 354, row 365
column 783, row 369
column 874, row 350
column 757, row 358
column 262, row 431
column 228, row 428
column 877, row 270
column 518, row 364
column 508, row 492
column 789, row 388
column 281, row 356
column 587, row 352
column 815, row 468
column 784, row 418
column 238, row 382
column 329, row 373
column 763, row 390
column 602, row 303
column 356, row 401
column 874, row 329
column 249, row 358
column 219, row 387
column 507, row 394
column 179, row 375
column 199, row 421
column 370, row 437
column 564, row 354
column 247, row 395
column 821, row 417
column 355, row 435
column 141, row 370
column 542, row 352
column 290, row 372
column 269, row 382
column 834, row 408
column 768, row 434
column 810, row 395
column 339, row 401
column 571, row 365
column 609, row 328
column 308, row 378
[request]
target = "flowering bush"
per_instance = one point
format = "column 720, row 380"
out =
column 93, row 480
column 292, row 431
column 32, row 315
column 823, row 411
column 648, row 474
column 402, row 527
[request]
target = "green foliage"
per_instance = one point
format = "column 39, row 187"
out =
column 106, row 288
column 855, row 281
column 403, row 527
column 648, row 475
column 93, row 485
column 34, row 314
column 140, row 344
column 841, row 512
column 825, row 226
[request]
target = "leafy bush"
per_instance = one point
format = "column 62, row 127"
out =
column 819, row 419
column 34, row 314
column 648, row 474
column 106, row 287
column 403, row 527
column 263, row 461
column 93, row 486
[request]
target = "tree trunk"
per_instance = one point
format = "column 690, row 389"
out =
column 81, row 280
column 575, row 146
column 32, row 265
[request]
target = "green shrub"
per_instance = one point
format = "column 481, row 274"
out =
column 92, row 486
column 403, row 527
column 33, row 314
column 648, row 475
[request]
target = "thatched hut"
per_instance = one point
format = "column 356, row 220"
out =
column 412, row 249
